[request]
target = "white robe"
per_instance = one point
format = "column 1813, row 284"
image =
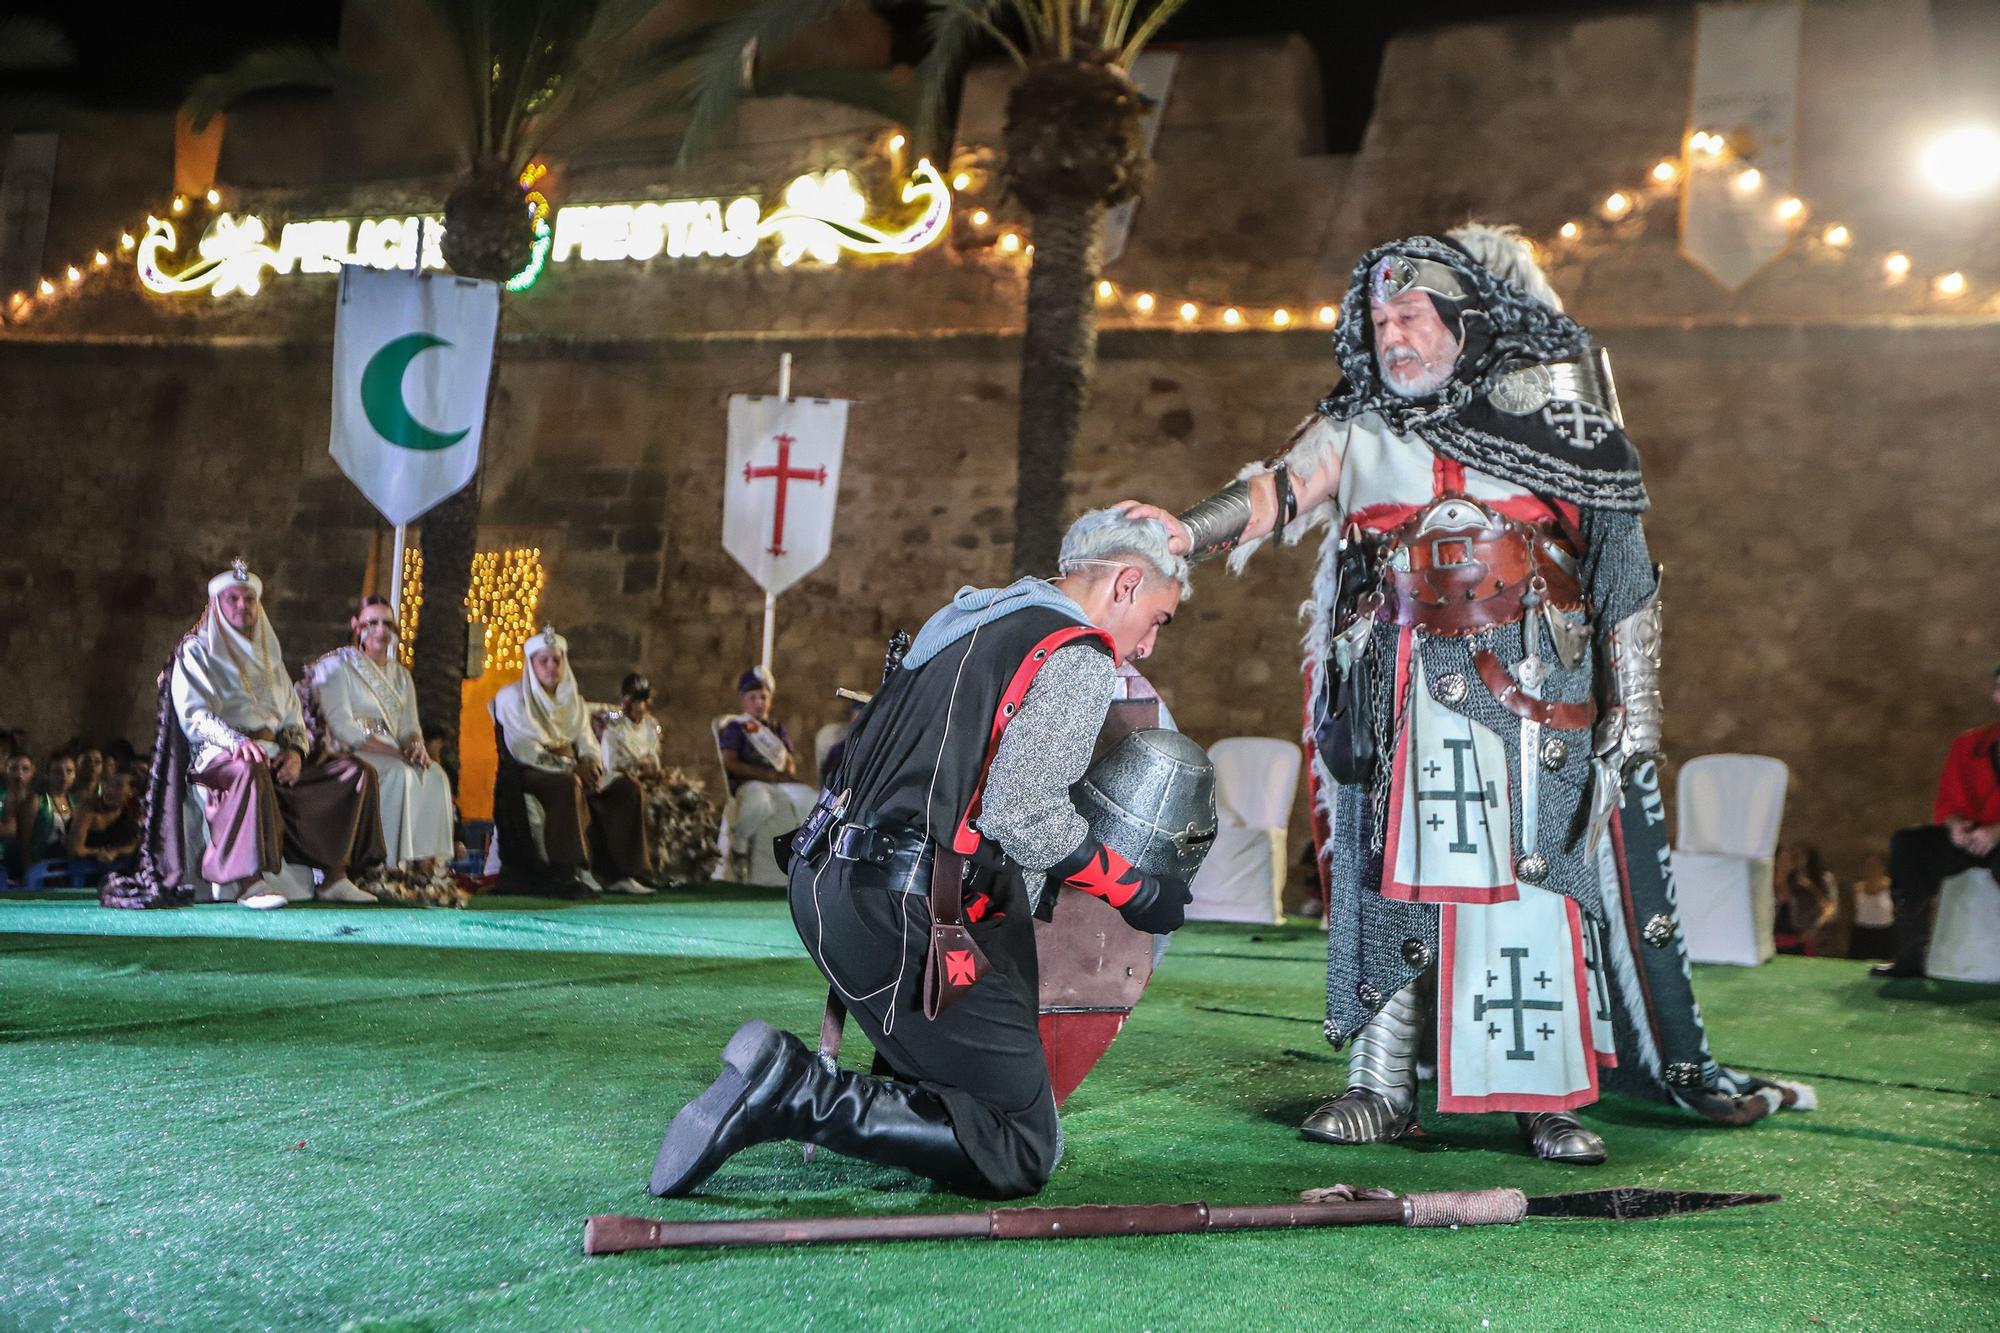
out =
column 358, row 699
column 628, row 746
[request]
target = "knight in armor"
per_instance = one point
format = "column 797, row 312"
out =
column 946, row 826
column 1483, row 663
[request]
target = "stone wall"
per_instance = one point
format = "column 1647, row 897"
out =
column 1818, row 449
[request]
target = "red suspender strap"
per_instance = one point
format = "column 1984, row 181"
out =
column 965, row 839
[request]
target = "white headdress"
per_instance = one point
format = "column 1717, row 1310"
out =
column 555, row 716
column 248, row 663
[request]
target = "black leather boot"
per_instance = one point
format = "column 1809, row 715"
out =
column 772, row 1087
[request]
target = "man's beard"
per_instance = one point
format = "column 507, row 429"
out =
column 1429, row 379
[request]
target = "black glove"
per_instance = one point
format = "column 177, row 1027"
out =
column 1149, row 902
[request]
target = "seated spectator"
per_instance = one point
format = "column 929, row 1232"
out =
column 766, row 799
column 368, row 708
column 118, row 753
column 1873, row 914
column 680, row 821
column 28, row 831
column 1806, row 898
column 59, row 790
column 89, row 769
column 263, row 802
column 106, row 827
column 584, row 819
column 1964, row 832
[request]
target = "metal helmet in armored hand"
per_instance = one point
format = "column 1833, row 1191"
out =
column 1151, row 799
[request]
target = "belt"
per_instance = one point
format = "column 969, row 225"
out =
column 1458, row 582
column 1516, row 700
column 886, row 858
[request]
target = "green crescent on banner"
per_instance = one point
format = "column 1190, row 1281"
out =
column 382, row 395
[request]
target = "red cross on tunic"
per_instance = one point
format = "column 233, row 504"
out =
column 785, row 474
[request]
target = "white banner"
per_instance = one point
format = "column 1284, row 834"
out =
column 1746, row 89
column 782, row 479
column 411, row 359
column 1153, row 72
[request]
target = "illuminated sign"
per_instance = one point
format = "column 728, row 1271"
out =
column 819, row 217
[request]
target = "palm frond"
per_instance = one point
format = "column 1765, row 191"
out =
column 717, row 70
column 1147, row 30
column 952, row 28
column 893, row 99
column 293, row 66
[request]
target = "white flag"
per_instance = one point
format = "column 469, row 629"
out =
column 412, row 355
column 1746, row 88
column 779, row 490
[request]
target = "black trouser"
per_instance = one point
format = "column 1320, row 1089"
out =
column 982, row 1057
column 1920, row 859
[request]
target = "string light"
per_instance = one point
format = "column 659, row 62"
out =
column 1281, row 317
column 100, row 259
column 1790, row 209
column 1665, row 170
column 961, row 181
column 1144, row 302
column 410, row 613
column 1570, row 231
column 1232, row 316
column 1189, row 310
column 180, row 203
column 1105, row 289
column 1896, row 265
column 46, row 288
column 1748, row 180
column 1010, row 243
column 504, row 595
column 1836, row 236
column 980, row 217
column 1617, row 204
column 126, row 240
column 896, row 142
column 214, row 197
column 1327, row 314
column 1951, row 284
column 73, row 273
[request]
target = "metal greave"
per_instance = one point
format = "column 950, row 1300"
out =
column 1384, row 1058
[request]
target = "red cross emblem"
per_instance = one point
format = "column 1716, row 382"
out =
column 784, row 474
column 959, row 969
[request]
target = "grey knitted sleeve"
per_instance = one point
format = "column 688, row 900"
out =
column 1045, row 749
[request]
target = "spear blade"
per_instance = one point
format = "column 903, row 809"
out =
column 1630, row 1203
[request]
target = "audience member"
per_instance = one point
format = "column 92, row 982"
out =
column 263, row 802
column 106, row 828
column 762, row 767
column 1806, row 897
column 89, row 768
column 1964, row 832
column 584, row 821
column 27, row 818
column 368, row 708
column 1871, row 936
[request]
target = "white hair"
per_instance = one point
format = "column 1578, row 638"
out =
column 1501, row 249
column 1102, row 536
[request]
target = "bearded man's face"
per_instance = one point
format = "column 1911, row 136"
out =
column 1414, row 349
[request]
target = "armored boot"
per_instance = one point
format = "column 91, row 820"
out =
column 771, row 1087
column 1557, row 1136
column 1380, row 1104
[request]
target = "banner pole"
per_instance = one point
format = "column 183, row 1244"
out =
column 396, row 569
column 770, row 599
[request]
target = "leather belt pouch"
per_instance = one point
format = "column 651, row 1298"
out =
column 954, row 963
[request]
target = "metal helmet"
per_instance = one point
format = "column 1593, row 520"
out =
column 1151, row 799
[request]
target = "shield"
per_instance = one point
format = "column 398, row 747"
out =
column 1150, row 796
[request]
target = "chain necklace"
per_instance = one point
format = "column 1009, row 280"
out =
column 370, row 675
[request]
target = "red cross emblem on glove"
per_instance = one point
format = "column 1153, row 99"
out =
column 959, row 968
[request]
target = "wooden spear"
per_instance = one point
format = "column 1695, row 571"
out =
column 1340, row 1206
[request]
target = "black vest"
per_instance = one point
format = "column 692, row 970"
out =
column 919, row 753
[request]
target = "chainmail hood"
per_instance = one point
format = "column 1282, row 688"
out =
column 1504, row 329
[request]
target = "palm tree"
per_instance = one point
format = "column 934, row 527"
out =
column 534, row 77
column 1074, row 151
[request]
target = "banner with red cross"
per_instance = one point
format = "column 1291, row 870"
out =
column 780, row 484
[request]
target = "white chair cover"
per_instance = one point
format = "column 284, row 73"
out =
column 1965, row 938
column 1243, row 877
column 1730, row 808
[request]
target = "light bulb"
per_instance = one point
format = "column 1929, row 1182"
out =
column 1963, row 162
column 180, row 203
column 1951, row 284
column 1570, row 231
column 1189, row 310
column 47, row 288
column 1748, row 180
column 1616, row 204
column 961, row 181
column 1665, row 170
column 1281, row 317
column 214, row 197
column 1143, row 302
column 896, row 142
column 72, row 273
column 1104, row 289
column 1790, row 209
column 1836, row 235
column 980, row 217
column 1327, row 314
column 1232, row 316
column 100, row 259
column 126, row 240
column 1896, row 265
column 1010, row 243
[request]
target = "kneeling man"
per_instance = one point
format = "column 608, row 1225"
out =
column 965, row 759
column 264, row 804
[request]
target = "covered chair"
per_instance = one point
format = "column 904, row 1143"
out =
column 1243, row 878
column 1730, row 807
column 1965, row 938
column 517, row 829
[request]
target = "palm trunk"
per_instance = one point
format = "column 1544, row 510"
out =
column 450, row 536
column 1058, row 360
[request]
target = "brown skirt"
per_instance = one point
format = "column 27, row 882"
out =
column 618, row 832
column 329, row 819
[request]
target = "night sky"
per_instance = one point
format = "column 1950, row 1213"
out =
column 134, row 56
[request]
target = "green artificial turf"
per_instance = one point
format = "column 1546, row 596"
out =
column 370, row 1118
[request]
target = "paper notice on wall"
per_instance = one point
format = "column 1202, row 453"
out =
column 1153, row 71
column 1746, row 89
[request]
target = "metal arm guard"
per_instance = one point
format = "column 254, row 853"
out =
column 1215, row 524
column 1635, row 672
